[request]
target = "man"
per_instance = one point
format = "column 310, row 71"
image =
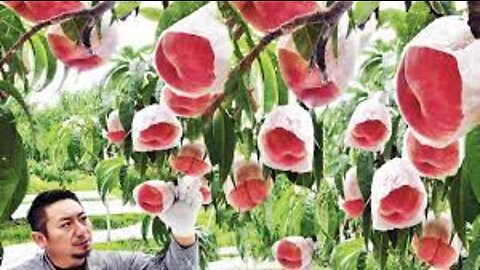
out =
column 61, row 227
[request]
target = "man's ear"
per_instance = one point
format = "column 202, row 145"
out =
column 40, row 239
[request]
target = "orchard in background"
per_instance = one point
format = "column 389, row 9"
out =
column 332, row 134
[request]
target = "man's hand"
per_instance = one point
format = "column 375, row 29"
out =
column 182, row 215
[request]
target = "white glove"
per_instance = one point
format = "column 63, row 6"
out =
column 182, row 215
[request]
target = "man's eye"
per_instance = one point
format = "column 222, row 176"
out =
column 84, row 218
column 65, row 225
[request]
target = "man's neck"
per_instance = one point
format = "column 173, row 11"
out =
column 80, row 265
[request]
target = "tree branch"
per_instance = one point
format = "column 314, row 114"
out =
column 330, row 16
column 408, row 4
column 165, row 4
column 95, row 12
column 433, row 11
column 474, row 18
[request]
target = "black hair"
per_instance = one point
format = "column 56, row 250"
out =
column 36, row 214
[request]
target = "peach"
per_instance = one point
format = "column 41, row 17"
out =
column 268, row 15
column 154, row 196
column 438, row 82
column 184, row 106
column 370, row 126
column 308, row 83
column 38, row 11
column 353, row 203
column 435, row 247
column 248, row 188
column 398, row 196
column 155, row 127
column 431, row 161
column 286, row 139
column 115, row 131
column 76, row 55
column 193, row 55
column 190, row 160
column 294, row 252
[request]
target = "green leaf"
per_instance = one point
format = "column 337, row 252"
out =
column 244, row 99
column 471, row 162
column 40, row 58
column 387, row 153
column 13, row 166
column 124, row 8
column 446, row 7
column 102, row 118
column 473, row 260
column 108, row 175
column 457, row 206
column 148, row 90
column 346, row 254
column 11, row 26
column 193, row 128
column 270, row 92
column 335, row 216
column 318, row 150
column 115, row 76
column 306, row 39
column 126, row 111
column 147, row 219
column 335, row 41
column 463, row 203
column 237, row 52
column 224, row 136
column 247, row 144
column 74, row 148
column 473, row 255
column 160, row 232
column 151, row 13
column 301, row 179
column 12, row 91
column 365, row 169
column 51, row 63
column 362, row 260
column 338, row 181
column 438, row 197
column 363, row 10
column 282, row 88
column 396, row 19
column 141, row 163
column 125, row 184
column 73, row 28
column 367, row 223
column 418, row 16
column 402, row 242
column 229, row 12
column 308, row 222
column 175, row 12
column 380, row 248
column 213, row 152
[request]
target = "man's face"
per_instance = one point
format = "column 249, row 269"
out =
column 69, row 232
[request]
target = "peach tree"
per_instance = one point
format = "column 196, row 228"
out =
column 323, row 134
